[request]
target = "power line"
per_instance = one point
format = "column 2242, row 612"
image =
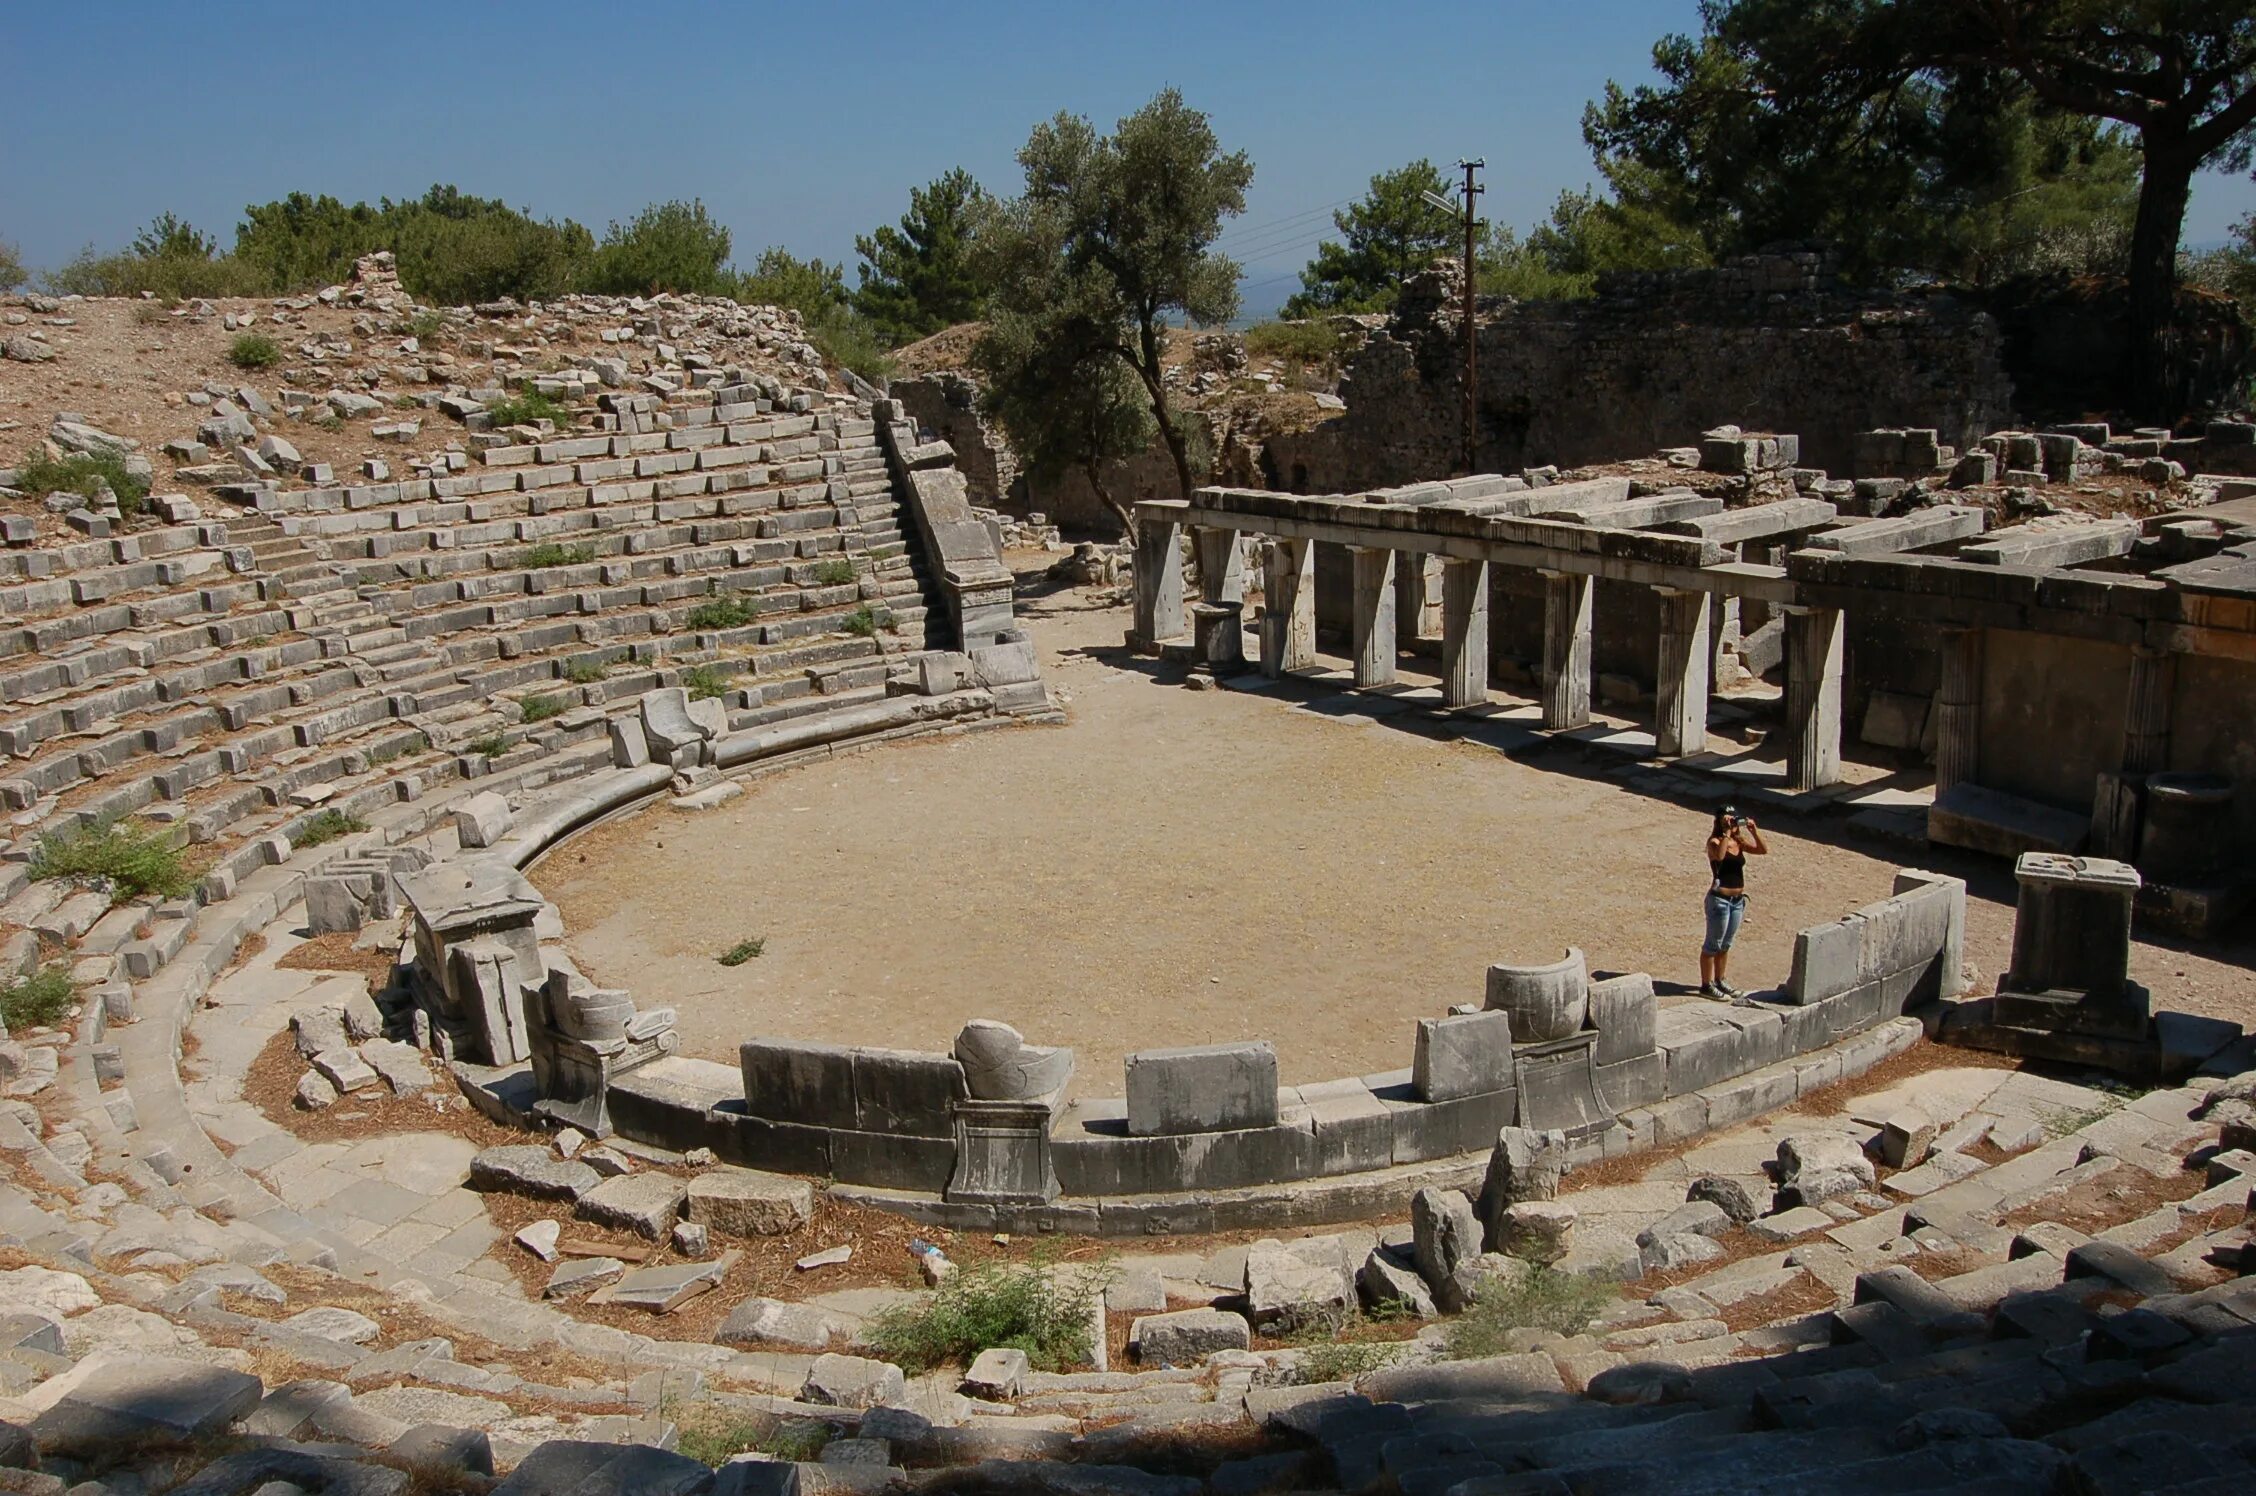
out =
column 1263, row 230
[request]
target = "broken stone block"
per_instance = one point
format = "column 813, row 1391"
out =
column 1538, row 1231
column 400, row 1065
column 838, row 1381
column 580, row 1275
column 522, row 1169
column 691, row 1239
column 481, row 820
column 660, row 1289
column 540, row 1239
column 1907, row 1138
column 747, row 1202
column 1446, row 1237
column 1804, row 1152
column 345, row 1070
column 112, row 1400
column 1385, row 1279
column 646, row 1204
column 1295, row 1290
column 1188, row 1336
column 315, row 1091
column 319, row 1030
column 757, row 1321
column 997, row 1372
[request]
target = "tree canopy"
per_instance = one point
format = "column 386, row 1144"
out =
column 1970, row 139
column 1387, row 235
column 1112, row 237
column 918, row 278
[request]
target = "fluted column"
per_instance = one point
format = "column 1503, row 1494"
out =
column 1681, row 693
column 1566, row 649
column 1374, row 616
column 1464, row 632
column 1288, row 607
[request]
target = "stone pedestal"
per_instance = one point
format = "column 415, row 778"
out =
column 1566, row 649
column 1374, row 616
column 1218, row 636
column 1680, row 724
column 1003, row 1154
column 1464, row 632
column 474, row 946
column 1288, row 607
column 2072, row 924
column 1813, row 698
column 1159, row 585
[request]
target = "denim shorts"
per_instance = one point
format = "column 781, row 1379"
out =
column 1724, row 912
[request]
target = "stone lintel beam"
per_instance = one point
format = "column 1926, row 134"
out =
column 1760, row 522
column 2072, row 546
column 1635, row 514
column 1945, row 522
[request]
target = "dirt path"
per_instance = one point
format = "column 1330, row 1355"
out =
column 1187, row 867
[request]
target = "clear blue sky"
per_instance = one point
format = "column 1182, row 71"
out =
column 798, row 125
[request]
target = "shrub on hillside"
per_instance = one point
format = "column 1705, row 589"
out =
column 129, row 862
column 254, row 350
column 84, row 474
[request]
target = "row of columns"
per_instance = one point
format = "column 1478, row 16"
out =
column 1392, row 590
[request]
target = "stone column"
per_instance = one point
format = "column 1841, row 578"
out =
column 1374, row 616
column 2118, row 800
column 1417, row 596
column 1681, row 721
column 1288, row 607
column 1813, row 697
column 1566, row 649
column 1159, row 584
column 1958, row 710
column 1221, row 565
column 2146, row 725
column 1464, row 631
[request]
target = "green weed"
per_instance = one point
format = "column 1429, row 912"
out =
column 835, row 572
column 731, row 612
column 712, row 1434
column 109, row 853
column 1538, row 1298
column 704, row 682
column 492, row 745
column 529, row 405
column 38, row 1000
column 541, row 708
column 743, row 951
column 585, row 672
column 254, row 350
column 84, row 474
column 1015, row 1306
column 549, row 553
column 865, row 621
column 327, row 827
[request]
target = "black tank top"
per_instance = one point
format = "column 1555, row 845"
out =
column 1731, row 871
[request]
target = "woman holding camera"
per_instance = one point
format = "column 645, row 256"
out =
column 1732, row 839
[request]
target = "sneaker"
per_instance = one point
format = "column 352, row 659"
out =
column 1725, row 989
column 1707, row 989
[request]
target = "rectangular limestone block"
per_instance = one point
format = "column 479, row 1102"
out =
column 790, row 1081
column 1701, row 1048
column 1464, row 1055
column 907, row 1091
column 1627, row 1016
column 1633, row 1082
column 1209, row 1088
column 1827, row 960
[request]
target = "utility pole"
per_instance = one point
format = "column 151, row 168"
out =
column 1472, row 394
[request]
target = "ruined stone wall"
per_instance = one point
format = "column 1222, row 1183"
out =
column 1769, row 343
column 946, row 404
